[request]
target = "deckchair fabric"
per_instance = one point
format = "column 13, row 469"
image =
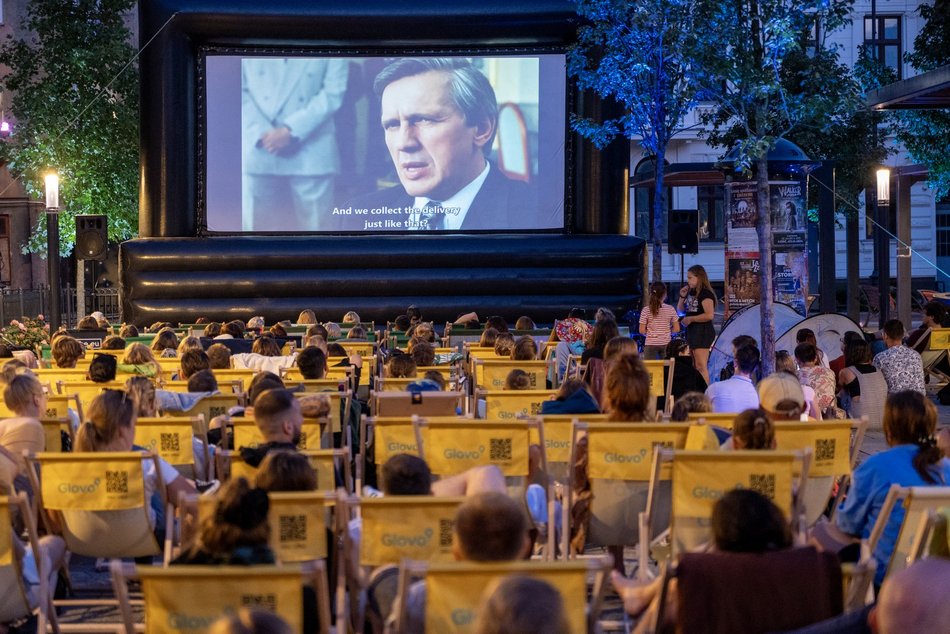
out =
column 453, row 590
column 911, row 504
column 407, row 527
column 53, row 429
column 660, row 388
column 415, row 403
column 719, row 419
column 453, row 447
column 14, row 597
column 512, row 404
column 171, row 438
column 299, row 522
column 702, row 477
column 493, row 372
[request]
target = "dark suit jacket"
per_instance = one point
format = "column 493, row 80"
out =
column 501, row 203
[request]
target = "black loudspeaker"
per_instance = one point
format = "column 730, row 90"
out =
column 92, row 239
column 684, row 231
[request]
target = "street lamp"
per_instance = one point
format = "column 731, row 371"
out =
column 883, row 244
column 52, row 248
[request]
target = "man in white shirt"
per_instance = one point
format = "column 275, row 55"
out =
column 737, row 393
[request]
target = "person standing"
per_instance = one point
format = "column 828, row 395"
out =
column 290, row 153
column 698, row 300
column 658, row 322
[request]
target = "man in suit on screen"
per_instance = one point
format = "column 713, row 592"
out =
column 439, row 118
column 290, row 153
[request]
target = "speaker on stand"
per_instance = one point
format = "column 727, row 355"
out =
column 683, row 235
column 92, row 243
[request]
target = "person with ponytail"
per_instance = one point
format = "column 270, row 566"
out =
column 110, row 426
column 913, row 459
column 24, row 396
column 752, row 429
column 658, row 322
column 627, row 393
column 698, row 300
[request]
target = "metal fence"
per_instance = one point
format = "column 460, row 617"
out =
column 19, row 302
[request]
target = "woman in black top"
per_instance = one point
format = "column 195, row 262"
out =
column 698, row 300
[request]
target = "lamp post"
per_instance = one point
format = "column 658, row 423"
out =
column 883, row 244
column 52, row 249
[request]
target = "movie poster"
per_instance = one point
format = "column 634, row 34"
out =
column 743, row 217
column 789, row 244
column 743, row 282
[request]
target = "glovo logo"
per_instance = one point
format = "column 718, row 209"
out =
column 152, row 444
column 507, row 415
column 612, row 457
column 705, row 493
column 405, row 541
column 462, row 616
column 557, row 444
column 458, row 454
column 401, row 446
column 178, row 621
column 72, row 487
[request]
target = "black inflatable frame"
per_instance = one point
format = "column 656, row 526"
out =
column 173, row 272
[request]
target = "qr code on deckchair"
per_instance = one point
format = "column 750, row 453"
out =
column 825, row 449
column 764, row 484
column 169, row 442
column 446, row 527
column 293, row 528
column 266, row 601
column 117, row 481
column 500, row 449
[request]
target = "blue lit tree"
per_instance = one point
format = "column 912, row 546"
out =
column 636, row 53
column 741, row 67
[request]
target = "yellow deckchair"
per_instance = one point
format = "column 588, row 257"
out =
column 658, row 386
column 211, row 406
column 415, row 403
column 52, row 428
column 87, row 390
column 326, row 462
column 454, row 590
column 702, row 477
column 913, row 504
column 246, row 433
column 387, row 436
column 719, row 419
column 406, row 527
column 188, row 599
column 17, row 599
column 171, row 438
column 491, row 373
column 512, row 404
column 558, row 442
column 833, row 455
column 619, row 459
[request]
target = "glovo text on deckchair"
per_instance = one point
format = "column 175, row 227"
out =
column 557, row 434
column 493, row 372
column 513, row 404
column 92, row 481
column 453, row 447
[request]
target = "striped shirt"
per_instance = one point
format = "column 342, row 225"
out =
column 658, row 329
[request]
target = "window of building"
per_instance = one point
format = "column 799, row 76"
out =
column 882, row 38
column 712, row 218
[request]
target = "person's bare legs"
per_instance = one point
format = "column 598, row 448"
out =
column 636, row 595
column 701, row 361
column 616, row 551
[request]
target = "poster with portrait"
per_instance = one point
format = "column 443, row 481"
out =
column 743, row 282
column 742, row 218
column 789, row 279
column 787, row 206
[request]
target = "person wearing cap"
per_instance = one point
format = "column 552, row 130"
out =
column 737, row 393
column 902, row 367
column 782, row 397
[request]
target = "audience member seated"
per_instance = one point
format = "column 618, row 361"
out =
column 113, row 342
column 66, row 351
column 730, row 369
column 518, row 380
column 251, row 621
column 189, row 343
column 524, row 323
column 604, row 330
column 203, row 381
column 504, row 344
column 219, row 357
column 487, row 340
column 913, row 459
column 902, row 367
column 278, row 416
column 686, row 378
column 517, row 604
column 165, row 343
column 110, row 426
column 934, row 314
column 691, row 402
column 627, row 393
column 192, row 361
column 423, row 353
column 525, row 349
column 497, row 322
column 286, row 471
column 211, row 330
column 782, row 397
column 88, row 323
column 862, row 387
column 312, row 362
column 128, row 330
column 807, row 335
column 306, row 317
column 24, row 396
column 264, row 355
column 102, row 368
column 737, row 393
column 138, row 359
column 572, row 398
column 752, row 429
column 743, row 521
column 785, row 362
column 488, row 527
column 401, row 366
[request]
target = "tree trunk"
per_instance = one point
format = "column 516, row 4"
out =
column 659, row 206
column 764, row 232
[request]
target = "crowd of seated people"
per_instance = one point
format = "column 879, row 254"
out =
column 490, row 525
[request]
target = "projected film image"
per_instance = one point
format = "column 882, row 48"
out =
column 404, row 144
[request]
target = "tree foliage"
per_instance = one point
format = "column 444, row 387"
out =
column 744, row 67
column 637, row 53
column 75, row 106
column 926, row 133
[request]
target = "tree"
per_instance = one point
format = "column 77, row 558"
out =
column 75, row 105
column 636, row 53
column 926, row 133
column 741, row 57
